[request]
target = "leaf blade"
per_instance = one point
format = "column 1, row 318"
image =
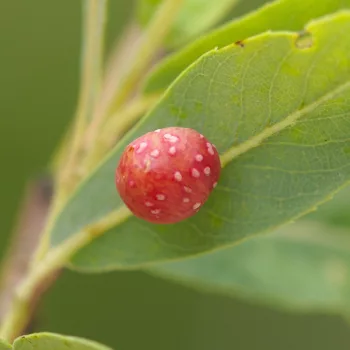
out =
column 283, row 178
column 4, row 345
column 44, row 341
column 302, row 267
column 335, row 212
column 194, row 18
column 272, row 16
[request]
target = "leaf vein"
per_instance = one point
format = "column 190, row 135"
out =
column 256, row 140
column 311, row 171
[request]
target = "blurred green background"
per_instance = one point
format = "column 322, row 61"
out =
column 39, row 68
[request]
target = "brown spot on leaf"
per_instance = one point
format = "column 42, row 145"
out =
column 304, row 40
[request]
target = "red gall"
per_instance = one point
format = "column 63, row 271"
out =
column 166, row 175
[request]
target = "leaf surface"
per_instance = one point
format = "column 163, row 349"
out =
column 304, row 266
column 277, row 15
column 4, row 345
column 195, row 17
column 335, row 212
column 280, row 118
column 50, row 341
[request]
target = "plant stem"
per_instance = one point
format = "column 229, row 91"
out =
column 113, row 130
column 117, row 64
column 44, row 242
column 91, row 68
column 94, row 19
column 31, row 220
column 117, row 125
column 152, row 39
column 48, row 260
column 56, row 258
column 120, row 122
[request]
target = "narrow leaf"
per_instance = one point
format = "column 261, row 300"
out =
column 304, row 266
column 273, row 16
column 277, row 114
column 49, row 341
column 195, row 17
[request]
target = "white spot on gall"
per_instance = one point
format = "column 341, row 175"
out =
column 206, row 171
column 201, row 136
column 149, row 204
column 160, row 197
column 171, row 138
column 155, row 211
column 172, row 150
column 187, row 189
column 177, row 176
column 195, row 173
column 155, row 153
column 196, row 206
column 210, row 148
column 142, row 147
column 186, row 200
column 158, row 130
column 198, row 157
column 214, row 184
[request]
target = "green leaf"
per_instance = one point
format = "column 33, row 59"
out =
column 4, row 345
column 335, row 212
column 280, row 118
column 49, row 341
column 195, row 17
column 304, row 266
column 278, row 15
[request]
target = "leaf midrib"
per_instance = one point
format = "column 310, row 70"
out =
column 244, row 147
column 256, row 140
